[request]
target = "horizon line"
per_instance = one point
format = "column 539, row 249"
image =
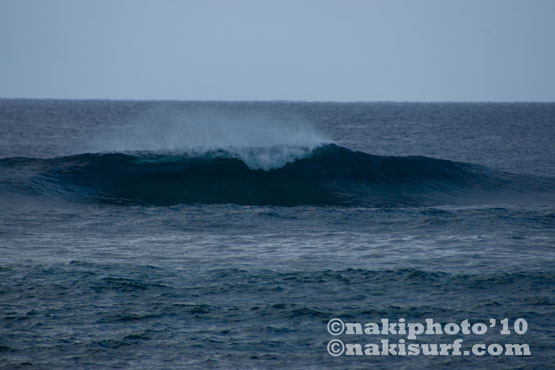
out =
column 292, row 101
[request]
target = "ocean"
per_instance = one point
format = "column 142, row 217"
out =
column 167, row 234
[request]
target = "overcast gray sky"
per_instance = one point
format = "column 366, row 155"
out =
column 485, row 50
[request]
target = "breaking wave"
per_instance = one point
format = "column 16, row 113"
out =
column 326, row 175
column 279, row 175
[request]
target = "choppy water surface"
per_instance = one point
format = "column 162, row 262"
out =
column 226, row 235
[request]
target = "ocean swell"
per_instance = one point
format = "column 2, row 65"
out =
column 326, row 175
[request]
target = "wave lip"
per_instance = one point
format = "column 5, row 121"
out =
column 255, row 157
column 279, row 175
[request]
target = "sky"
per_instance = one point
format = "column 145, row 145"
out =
column 310, row 50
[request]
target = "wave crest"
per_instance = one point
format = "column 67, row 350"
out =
column 256, row 158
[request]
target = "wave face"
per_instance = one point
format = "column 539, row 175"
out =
column 327, row 175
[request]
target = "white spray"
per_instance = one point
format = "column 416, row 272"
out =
column 259, row 140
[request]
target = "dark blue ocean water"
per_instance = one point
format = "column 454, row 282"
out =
column 227, row 235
